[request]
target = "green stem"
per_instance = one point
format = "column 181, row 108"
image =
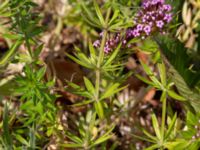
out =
column 101, row 56
column 164, row 106
column 59, row 26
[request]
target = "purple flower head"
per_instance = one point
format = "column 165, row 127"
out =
column 167, row 7
column 111, row 42
column 139, row 27
column 160, row 24
column 150, row 3
column 101, row 34
column 151, row 24
column 160, row 12
column 147, row 29
column 154, row 2
column 96, row 43
column 135, row 33
column 107, row 49
column 158, row 1
column 144, row 20
column 128, row 33
column 168, row 17
column 153, row 16
column 145, row 4
column 117, row 38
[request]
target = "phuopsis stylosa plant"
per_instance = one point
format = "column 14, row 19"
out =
column 122, row 26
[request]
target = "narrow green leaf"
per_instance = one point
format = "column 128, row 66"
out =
column 85, row 102
column 4, row 5
column 104, row 137
column 11, row 36
column 6, row 14
column 89, row 86
column 116, row 26
column 114, row 16
column 144, row 139
column 82, row 57
column 21, row 139
column 40, row 74
column 171, row 126
column 110, row 91
column 99, row 14
column 92, row 121
column 151, row 75
column 79, row 90
column 74, row 138
column 32, row 136
column 181, row 144
column 78, row 61
column 10, row 52
column 149, row 135
column 38, row 50
column 90, row 118
column 92, row 50
column 92, row 20
column 145, row 80
column 6, row 134
column 75, row 86
column 162, row 71
column 134, row 40
column 176, row 96
column 156, row 126
column 152, row 147
column 99, row 109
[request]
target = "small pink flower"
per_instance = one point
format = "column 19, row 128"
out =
column 167, row 7
column 147, row 29
column 159, row 24
column 96, row 43
column 139, row 27
column 168, row 17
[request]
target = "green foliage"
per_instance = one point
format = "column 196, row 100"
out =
column 164, row 85
column 183, row 74
column 33, row 112
column 40, row 103
column 23, row 22
column 36, row 102
column 88, row 133
column 6, row 137
column 115, row 22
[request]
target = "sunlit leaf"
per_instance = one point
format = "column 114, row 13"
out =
column 156, row 126
column 89, row 86
column 99, row 109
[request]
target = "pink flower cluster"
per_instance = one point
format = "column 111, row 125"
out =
column 111, row 43
column 153, row 16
